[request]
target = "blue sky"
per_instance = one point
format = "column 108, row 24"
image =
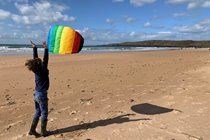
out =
column 105, row 21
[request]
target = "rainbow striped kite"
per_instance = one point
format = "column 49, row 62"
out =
column 64, row 40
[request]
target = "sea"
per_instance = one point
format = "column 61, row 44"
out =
column 17, row 49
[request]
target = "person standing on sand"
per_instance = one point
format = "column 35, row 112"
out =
column 40, row 69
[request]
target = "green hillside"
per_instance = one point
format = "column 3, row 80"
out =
column 166, row 43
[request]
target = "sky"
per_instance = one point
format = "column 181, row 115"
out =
column 105, row 21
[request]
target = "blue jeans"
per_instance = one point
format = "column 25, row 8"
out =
column 41, row 105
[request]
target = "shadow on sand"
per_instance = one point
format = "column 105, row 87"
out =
column 150, row 109
column 119, row 119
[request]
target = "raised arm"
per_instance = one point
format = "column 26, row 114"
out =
column 35, row 53
column 46, row 54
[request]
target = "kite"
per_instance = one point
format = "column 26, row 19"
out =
column 64, row 40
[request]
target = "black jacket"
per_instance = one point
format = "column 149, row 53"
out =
column 42, row 75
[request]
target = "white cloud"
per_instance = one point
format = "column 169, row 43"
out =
column 23, row 37
column 178, row 1
column 201, row 27
column 180, row 14
column 205, row 22
column 13, row 1
column 129, row 19
column 68, row 18
column 95, row 36
column 147, row 24
column 108, row 36
column 109, row 21
column 118, row 0
column 206, row 4
column 192, row 4
column 139, row 3
column 102, row 36
column 24, row 8
column 8, row 36
column 165, row 32
column 132, row 33
column 4, row 14
column 40, row 12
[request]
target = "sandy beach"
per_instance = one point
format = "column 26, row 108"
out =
column 156, row 95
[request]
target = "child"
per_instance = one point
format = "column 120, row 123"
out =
column 39, row 68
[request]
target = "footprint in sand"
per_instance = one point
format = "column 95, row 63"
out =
column 86, row 101
column 12, row 125
column 73, row 112
column 64, row 109
column 51, row 110
column 6, row 90
column 7, row 97
column 132, row 100
column 11, row 103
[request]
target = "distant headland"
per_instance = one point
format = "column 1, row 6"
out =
column 166, row 43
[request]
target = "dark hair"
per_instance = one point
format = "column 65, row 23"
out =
column 33, row 64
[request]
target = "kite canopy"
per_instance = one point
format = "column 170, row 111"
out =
column 64, row 40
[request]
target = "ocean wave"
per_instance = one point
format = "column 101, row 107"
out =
column 11, row 50
column 27, row 49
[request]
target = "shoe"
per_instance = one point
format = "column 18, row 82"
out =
column 33, row 128
column 44, row 132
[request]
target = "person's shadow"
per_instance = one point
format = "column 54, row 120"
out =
column 150, row 109
column 105, row 122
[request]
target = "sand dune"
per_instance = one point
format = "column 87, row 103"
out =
column 160, row 95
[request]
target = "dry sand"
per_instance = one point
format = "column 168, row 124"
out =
column 160, row 95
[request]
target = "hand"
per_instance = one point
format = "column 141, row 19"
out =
column 45, row 45
column 33, row 44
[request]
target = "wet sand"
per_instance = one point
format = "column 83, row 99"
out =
column 158, row 95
